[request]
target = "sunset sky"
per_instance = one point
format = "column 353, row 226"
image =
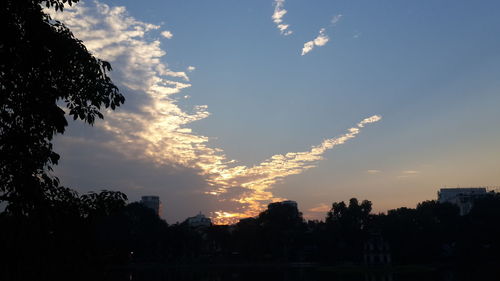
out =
column 231, row 105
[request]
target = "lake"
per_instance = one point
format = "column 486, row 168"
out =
column 301, row 273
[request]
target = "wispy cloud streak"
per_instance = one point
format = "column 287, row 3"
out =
column 408, row 173
column 336, row 19
column 279, row 13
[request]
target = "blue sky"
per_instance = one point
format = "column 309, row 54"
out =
column 429, row 68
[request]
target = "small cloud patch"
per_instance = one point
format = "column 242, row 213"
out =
column 167, row 34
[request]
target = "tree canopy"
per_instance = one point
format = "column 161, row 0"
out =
column 46, row 75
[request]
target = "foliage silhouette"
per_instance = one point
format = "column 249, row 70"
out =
column 46, row 75
column 349, row 225
column 281, row 228
column 42, row 66
column 59, row 238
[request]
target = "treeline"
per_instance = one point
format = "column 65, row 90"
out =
column 429, row 234
column 99, row 230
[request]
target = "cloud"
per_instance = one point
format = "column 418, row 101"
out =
column 321, row 208
column 408, row 173
column 157, row 130
column 308, row 46
column 279, row 13
column 336, row 19
column 191, row 68
column 411, row 172
column 167, row 34
column 154, row 129
column 373, row 172
column 322, row 37
column 319, row 41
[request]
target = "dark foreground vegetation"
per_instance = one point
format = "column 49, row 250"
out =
column 98, row 232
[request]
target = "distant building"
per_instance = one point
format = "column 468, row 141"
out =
column 199, row 221
column 152, row 202
column 462, row 197
column 282, row 203
column 282, row 213
column 376, row 251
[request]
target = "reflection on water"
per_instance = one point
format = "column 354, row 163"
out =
column 296, row 274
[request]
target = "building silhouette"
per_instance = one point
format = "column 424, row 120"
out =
column 290, row 203
column 152, row 202
column 199, row 221
column 461, row 197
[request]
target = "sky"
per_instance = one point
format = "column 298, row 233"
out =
column 231, row 105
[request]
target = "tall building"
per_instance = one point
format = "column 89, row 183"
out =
column 152, row 202
column 462, row 197
column 284, row 212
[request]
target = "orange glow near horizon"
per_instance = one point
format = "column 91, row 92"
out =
column 257, row 181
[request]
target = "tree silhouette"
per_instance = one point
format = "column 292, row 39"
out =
column 355, row 216
column 45, row 74
column 349, row 225
column 281, row 228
